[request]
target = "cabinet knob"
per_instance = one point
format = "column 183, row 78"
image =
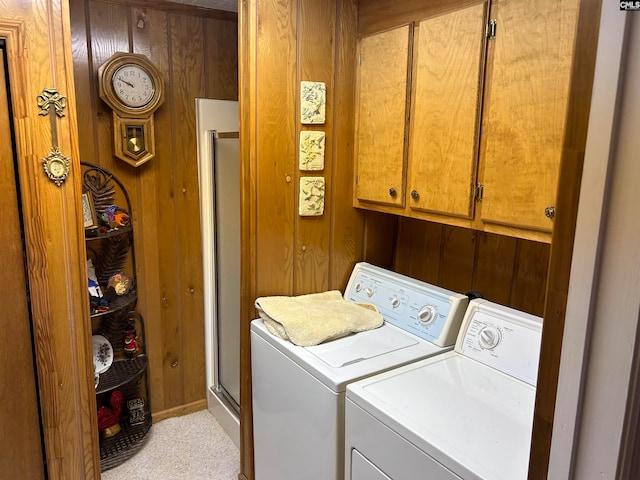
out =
column 414, row 194
column 392, row 192
column 550, row 211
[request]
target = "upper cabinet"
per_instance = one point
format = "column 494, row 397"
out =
column 382, row 110
column 480, row 147
column 525, row 112
column 444, row 112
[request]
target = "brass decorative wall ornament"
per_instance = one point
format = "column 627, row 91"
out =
column 56, row 165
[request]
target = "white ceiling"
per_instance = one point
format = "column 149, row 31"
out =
column 227, row 5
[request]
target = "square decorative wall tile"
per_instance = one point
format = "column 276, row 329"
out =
column 311, row 150
column 313, row 100
column 311, row 196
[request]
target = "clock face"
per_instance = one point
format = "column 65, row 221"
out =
column 56, row 168
column 133, row 85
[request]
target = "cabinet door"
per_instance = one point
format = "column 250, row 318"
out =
column 525, row 110
column 381, row 117
column 445, row 112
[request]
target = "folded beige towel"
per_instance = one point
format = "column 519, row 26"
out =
column 311, row 319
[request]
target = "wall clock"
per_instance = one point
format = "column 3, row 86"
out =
column 132, row 86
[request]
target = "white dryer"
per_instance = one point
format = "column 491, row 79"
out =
column 466, row 414
column 299, row 392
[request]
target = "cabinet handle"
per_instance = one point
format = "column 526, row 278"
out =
column 392, row 192
column 550, row 211
column 415, row 195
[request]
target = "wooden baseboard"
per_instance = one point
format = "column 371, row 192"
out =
column 179, row 410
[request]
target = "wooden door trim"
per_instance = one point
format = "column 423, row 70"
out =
column 247, row 93
column 59, row 305
column 562, row 243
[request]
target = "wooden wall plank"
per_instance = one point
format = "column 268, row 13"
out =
column 109, row 26
column 530, row 277
column 347, row 223
column 457, row 259
column 169, row 252
column 187, row 47
column 85, row 80
column 402, row 258
column 276, row 121
column 150, row 38
column 379, row 238
column 494, row 266
column 418, row 249
column 247, row 93
column 316, row 38
column 221, row 71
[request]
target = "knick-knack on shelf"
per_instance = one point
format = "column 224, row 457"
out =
column 130, row 341
column 109, row 418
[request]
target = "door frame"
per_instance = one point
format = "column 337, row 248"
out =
column 596, row 419
column 39, row 56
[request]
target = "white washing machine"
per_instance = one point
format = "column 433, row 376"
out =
column 466, row 414
column 299, row 392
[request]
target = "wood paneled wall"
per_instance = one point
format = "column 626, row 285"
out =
column 283, row 43
column 196, row 51
column 506, row 270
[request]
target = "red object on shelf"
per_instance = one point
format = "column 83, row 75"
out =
column 108, row 417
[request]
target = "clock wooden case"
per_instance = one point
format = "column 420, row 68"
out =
column 132, row 86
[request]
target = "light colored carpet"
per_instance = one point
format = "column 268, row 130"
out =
column 191, row 447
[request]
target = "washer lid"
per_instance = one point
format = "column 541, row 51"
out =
column 354, row 366
column 361, row 346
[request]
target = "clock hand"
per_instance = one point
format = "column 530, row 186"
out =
column 124, row 81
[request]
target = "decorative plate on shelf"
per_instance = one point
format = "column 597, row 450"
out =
column 102, row 353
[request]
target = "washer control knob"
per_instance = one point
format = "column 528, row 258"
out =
column 395, row 302
column 369, row 292
column 427, row 314
column 489, row 338
column 358, row 287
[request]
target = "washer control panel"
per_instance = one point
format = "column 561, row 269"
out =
column 430, row 312
column 503, row 338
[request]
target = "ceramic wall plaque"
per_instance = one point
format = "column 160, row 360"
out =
column 313, row 100
column 311, row 150
column 311, row 196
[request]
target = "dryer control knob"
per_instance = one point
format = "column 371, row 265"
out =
column 369, row 292
column 395, row 302
column 489, row 338
column 358, row 287
column 427, row 314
